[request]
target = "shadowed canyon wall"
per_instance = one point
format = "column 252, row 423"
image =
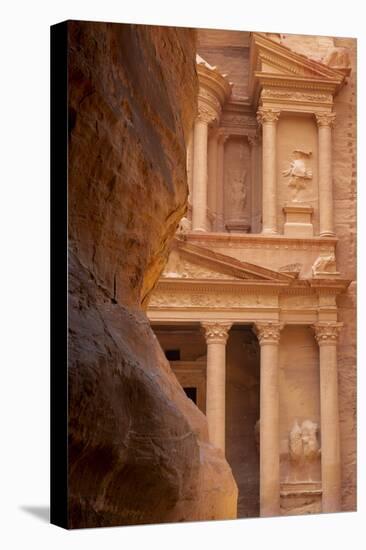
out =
column 138, row 447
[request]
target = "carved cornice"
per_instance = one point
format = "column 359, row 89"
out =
column 268, row 332
column 327, row 333
column 269, row 116
column 325, row 119
column 216, row 332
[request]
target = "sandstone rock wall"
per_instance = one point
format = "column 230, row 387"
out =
column 345, row 194
column 138, row 448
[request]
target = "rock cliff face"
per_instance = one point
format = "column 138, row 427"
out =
column 138, row 447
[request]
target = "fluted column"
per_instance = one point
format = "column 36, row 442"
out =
column 268, row 118
column 216, row 335
column 325, row 122
column 212, row 174
column 199, row 197
column 220, row 182
column 326, row 335
column 255, row 202
column 269, row 443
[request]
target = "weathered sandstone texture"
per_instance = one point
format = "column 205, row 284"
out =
column 138, row 447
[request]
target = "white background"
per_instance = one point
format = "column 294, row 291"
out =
column 24, row 313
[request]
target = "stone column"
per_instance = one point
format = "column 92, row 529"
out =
column 199, row 197
column 216, row 335
column 255, row 203
column 220, row 182
column 325, row 122
column 268, row 118
column 326, row 334
column 190, row 172
column 212, row 175
column 269, row 442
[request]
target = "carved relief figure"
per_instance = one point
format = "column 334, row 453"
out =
column 310, row 443
column 298, row 172
column 303, row 447
column 324, row 264
column 238, row 192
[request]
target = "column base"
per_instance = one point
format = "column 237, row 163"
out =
column 269, row 231
column 327, row 234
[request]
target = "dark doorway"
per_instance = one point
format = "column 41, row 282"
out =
column 192, row 394
column 172, row 354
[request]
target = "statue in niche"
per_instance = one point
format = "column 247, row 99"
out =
column 303, row 447
column 238, row 192
column 298, row 172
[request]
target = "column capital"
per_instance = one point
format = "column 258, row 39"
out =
column 216, row 332
column 206, row 114
column 326, row 333
column 325, row 119
column 268, row 332
column 270, row 116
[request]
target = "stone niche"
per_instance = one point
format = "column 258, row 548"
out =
column 300, row 438
column 297, row 175
column 237, row 181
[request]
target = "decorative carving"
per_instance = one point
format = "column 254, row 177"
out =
column 268, row 115
column 298, row 172
column 268, row 332
column 296, row 96
column 239, row 121
column 165, row 299
column 216, row 332
column 291, row 268
column 207, row 114
column 327, row 333
column 325, row 119
column 324, row 264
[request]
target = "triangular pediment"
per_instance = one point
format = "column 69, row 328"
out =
column 188, row 261
column 271, row 59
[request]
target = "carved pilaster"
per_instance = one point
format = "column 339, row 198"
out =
column 325, row 119
column 216, row 332
column 327, row 333
column 269, row 116
column 268, row 332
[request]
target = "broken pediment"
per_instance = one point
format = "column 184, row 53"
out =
column 187, row 261
column 273, row 64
